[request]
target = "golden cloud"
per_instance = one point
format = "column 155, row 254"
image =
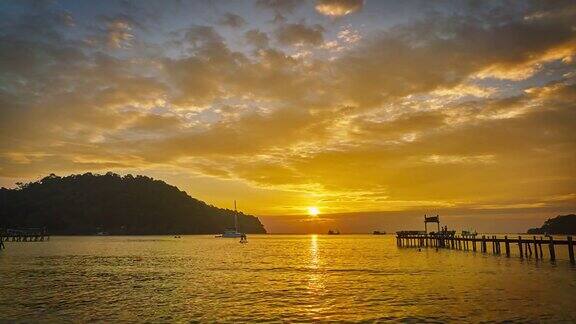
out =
column 338, row 8
column 399, row 119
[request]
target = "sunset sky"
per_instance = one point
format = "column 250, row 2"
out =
column 374, row 112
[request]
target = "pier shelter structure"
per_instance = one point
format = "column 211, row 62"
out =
column 431, row 219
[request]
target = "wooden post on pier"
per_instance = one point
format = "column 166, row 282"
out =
column 551, row 246
column 507, row 245
column 540, row 247
column 474, row 244
column 571, row 250
column 536, row 248
column 493, row 245
column 520, row 246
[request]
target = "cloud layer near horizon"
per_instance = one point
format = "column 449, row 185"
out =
column 469, row 107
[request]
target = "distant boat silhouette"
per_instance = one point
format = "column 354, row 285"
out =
column 333, row 232
column 379, row 233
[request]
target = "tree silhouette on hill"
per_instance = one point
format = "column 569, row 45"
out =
column 88, row 203
column 563, row 224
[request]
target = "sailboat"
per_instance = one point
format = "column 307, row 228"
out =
column 233, row 232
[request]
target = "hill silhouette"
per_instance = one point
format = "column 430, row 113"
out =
column 564, row 224
column 88, row 203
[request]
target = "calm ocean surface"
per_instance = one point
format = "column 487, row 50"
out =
column 290, row 278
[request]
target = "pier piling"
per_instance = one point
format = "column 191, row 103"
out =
column 570, row 250
column 551, row 246
column 540, row 246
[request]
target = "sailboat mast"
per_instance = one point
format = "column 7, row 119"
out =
column 235, row 217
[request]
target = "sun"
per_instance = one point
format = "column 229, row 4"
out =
column 313, row 211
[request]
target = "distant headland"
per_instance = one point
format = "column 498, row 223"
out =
column 564, row 224
column 88, row 203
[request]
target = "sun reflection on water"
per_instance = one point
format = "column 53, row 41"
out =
column 315, row 286
column 314, row 251
column 316, row 274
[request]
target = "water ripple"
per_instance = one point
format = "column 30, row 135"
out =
column 274, row 279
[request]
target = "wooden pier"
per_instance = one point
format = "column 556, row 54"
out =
column 23, row 235
column 528, row 247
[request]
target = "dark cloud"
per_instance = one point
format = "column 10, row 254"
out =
column 232, row 20
column 257, row 38
column 280, row 6
column 300, row 34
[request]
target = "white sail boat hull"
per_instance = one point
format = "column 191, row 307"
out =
column 231, row 235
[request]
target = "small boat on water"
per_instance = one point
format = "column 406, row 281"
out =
column 379, row 233
column 233, row 232
column 333, row 232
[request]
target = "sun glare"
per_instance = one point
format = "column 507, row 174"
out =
column 313, row 211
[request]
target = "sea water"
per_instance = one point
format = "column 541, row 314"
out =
column 290, row 278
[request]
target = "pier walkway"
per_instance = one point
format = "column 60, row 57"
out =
column 527, row 246
column 23, row 235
